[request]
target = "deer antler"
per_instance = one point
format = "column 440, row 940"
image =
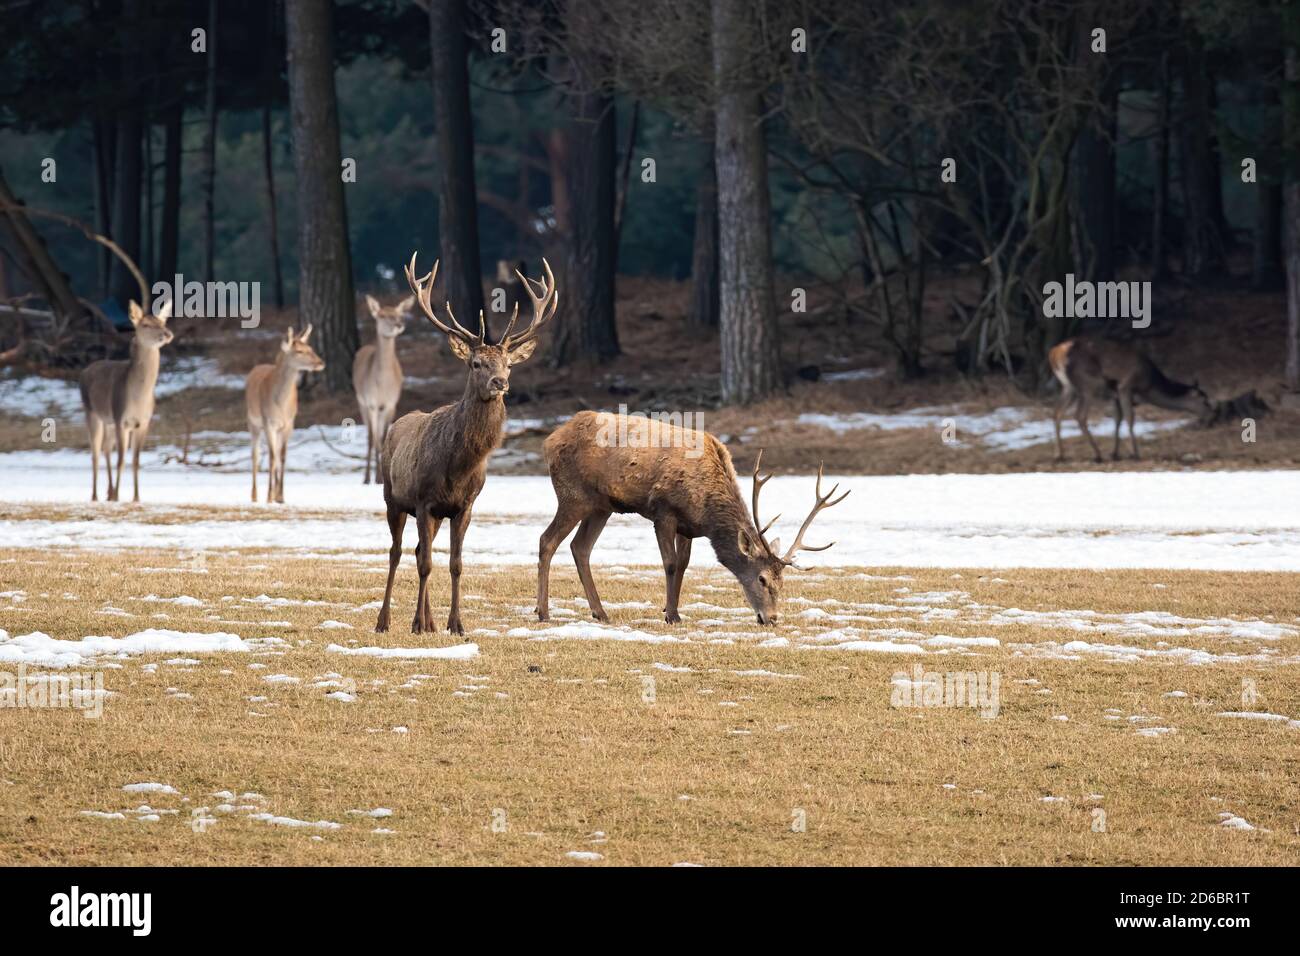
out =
column 823, row 501
column 758, row 486
column 423, row 288
column 541, row 314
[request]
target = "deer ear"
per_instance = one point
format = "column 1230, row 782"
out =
column 164, row 311
column 458, row 348
column 746, row 544
column 373, row 305
column 134, row 312
column 523, row 353
column 406, row 305
column 287, row 342
column 306, row 334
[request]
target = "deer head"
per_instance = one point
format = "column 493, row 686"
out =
column 151, row 330
column 762, row 563
column 298, row 354
column 390, row 321
column 490, row 363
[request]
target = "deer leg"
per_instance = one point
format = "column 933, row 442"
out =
column 396, row 524
column 459, row 525
column 137, row 442
column 370, row 443
column 583, row 542
column 284, row 454
column 1119, row 417
column 683, row 559
column 108, row 462
column 428, row 527
column 1132, row 436
column 96, row 428
column 254, row 435
column 273, row 463
column 1062, row 406
column 1082, row 418
column 666, row 532
column 120, row 435
column 555, row 533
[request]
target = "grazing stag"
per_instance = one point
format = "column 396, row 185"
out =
column 1118, row 371
column 655, row 473
column 272, row 399
column 434, row 464
column 377, row 376
column 118, row 399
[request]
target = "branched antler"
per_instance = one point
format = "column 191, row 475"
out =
column 423, row 288
column 541, row 314
column 823, row 501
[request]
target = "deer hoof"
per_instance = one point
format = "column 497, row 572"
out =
column 381, row 625
column 672, row 617
column 454, row 627
column 600, row 616
column 543, row 615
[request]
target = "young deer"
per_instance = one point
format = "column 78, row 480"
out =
column 1120, row 372
column 118, row 399
column 377, row 376
column 653, row 474
column 433, row 464
column 271, row 395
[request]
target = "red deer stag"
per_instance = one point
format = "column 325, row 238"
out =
column 655, row 474
column 1120, row 372
column 271, row 397
column 377, row 376
column 434, row 463
column 118, row 399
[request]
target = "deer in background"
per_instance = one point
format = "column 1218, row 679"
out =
column 653, row 475
column 118, row 395
column 434, row 464
column 1119, row 371
column 271, row 395
column 377, row 376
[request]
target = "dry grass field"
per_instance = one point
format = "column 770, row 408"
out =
column 715, row 742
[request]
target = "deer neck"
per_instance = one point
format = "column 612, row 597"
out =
column 730, row 517
column 142, row 370
column 386, row 351
column 284, row 382
column 481, row 423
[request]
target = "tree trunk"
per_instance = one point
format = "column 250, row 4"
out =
column 1160, row 175
column 457, row 192
column 1094, row 162
column 105, row 150
column 704, row 259
column 747, row 310
column 1266, row 267
column 1202, row 244
column 126, row 208
column 170, row 227
column 269, row 77
column 325, row 295
column 210, row 149
column 272, row 217
column 584, row 328
column 1291, row 188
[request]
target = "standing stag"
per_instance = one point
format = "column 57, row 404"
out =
column 1118, row 371
column 118, row 399
column 272, row 399
column 377, row 376
column 434, row 464
column 683, row 482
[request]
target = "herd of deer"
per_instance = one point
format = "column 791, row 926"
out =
column 433, row 464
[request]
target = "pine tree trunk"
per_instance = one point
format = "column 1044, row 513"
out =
column 1160, row 175
column 747, row 310
column 457, row 192
column 704, row 259
column 1095, row 196
column 1291, row 189
column 1202, row 244
column 210, row 149
column 105, row 151
column 325, row 295
column 584, row 327
column 126, row 208
column 170, row 227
